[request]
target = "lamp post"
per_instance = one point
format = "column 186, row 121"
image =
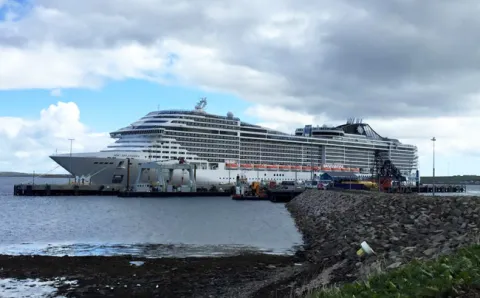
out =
column 71, row 143
column 433, row 165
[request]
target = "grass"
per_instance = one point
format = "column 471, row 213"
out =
column 437, row 278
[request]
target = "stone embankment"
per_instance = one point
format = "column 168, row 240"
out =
column 398, row 227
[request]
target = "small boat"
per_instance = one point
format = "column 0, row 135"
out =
column 356, row 170
column 231, row 165
column 297, row 168
column 336, row 169
column 260, row 167
column 246, row 166
column 307, row 168
column 316, row 168
column 284, row 167
column 326, row 169
column 272, row 167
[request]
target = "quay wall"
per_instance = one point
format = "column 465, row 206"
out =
column 398, row 227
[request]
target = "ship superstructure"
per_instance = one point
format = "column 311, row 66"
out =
column 224, row 147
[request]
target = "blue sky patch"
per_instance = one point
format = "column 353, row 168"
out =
column 15, row 10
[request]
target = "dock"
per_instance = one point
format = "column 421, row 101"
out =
column 176, row 194
column 29, row 190
column 65, row 190
column 428, row 188
column 283, row 195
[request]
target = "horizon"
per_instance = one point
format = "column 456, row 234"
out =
column 80, row 71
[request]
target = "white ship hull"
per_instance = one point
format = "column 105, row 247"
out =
column 212, row 141
column 101, row 170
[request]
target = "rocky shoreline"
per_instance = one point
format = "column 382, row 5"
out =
column 398, row 227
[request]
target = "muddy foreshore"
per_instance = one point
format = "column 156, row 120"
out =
column 95, row 276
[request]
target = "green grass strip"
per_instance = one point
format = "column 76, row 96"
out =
column 435, row 278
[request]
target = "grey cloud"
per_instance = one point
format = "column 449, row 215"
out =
column 371, row 58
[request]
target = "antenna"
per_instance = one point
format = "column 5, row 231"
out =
column 201, row 104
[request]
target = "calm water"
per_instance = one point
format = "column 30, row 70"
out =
column 150, row 227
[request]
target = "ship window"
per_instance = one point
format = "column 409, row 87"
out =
column 95, row 163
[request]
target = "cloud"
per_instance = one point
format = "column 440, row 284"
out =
column 411, row 63
column 456, row 148
column 377, row 58
column 26, row 144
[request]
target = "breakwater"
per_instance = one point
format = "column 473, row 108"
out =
column 398, row 227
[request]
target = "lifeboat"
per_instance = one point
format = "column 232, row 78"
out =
column 297, row 168
column 284, row 167
column 344, row 169
column 231, row 165
column 326, row 169
column 336, row 169
column 260, row 167
column 307, row 168
column 272, row 167
column 316, row 168
column 246, row 166
column 355, row 170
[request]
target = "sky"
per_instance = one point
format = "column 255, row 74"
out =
column 81, row 69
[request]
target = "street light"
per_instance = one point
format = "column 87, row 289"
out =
column 71, row 143
column 433, row 165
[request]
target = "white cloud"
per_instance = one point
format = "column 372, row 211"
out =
column 456, row 147
column 408, row 69
column 26, row 144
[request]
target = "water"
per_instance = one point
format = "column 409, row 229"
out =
column 151, row 227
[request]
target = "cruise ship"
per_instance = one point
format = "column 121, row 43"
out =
column 224, row 147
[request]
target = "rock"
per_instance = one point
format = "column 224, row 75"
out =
column 429, row 252
column 394, row 265
column 398, row 227
column 456, row 212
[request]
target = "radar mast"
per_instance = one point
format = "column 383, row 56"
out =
column 201, row 105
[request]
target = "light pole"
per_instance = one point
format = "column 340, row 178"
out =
column 433, row 165
column 71, row 143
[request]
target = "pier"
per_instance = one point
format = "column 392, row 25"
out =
column 429, row 188
column 268, row 193
column 65, row 190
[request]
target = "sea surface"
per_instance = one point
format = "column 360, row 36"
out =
column 149, row 227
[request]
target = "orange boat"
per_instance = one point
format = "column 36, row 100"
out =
column 284, row 167
column 316, row 168
column 297, row 168
column 355, row 170
column 231, row 165
column 326, row 169
column 260, row 167
column 307, row 168
column 246, row 166
column 337, row 169
column 272, row 167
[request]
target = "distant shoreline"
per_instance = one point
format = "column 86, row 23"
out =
column 39, row 175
